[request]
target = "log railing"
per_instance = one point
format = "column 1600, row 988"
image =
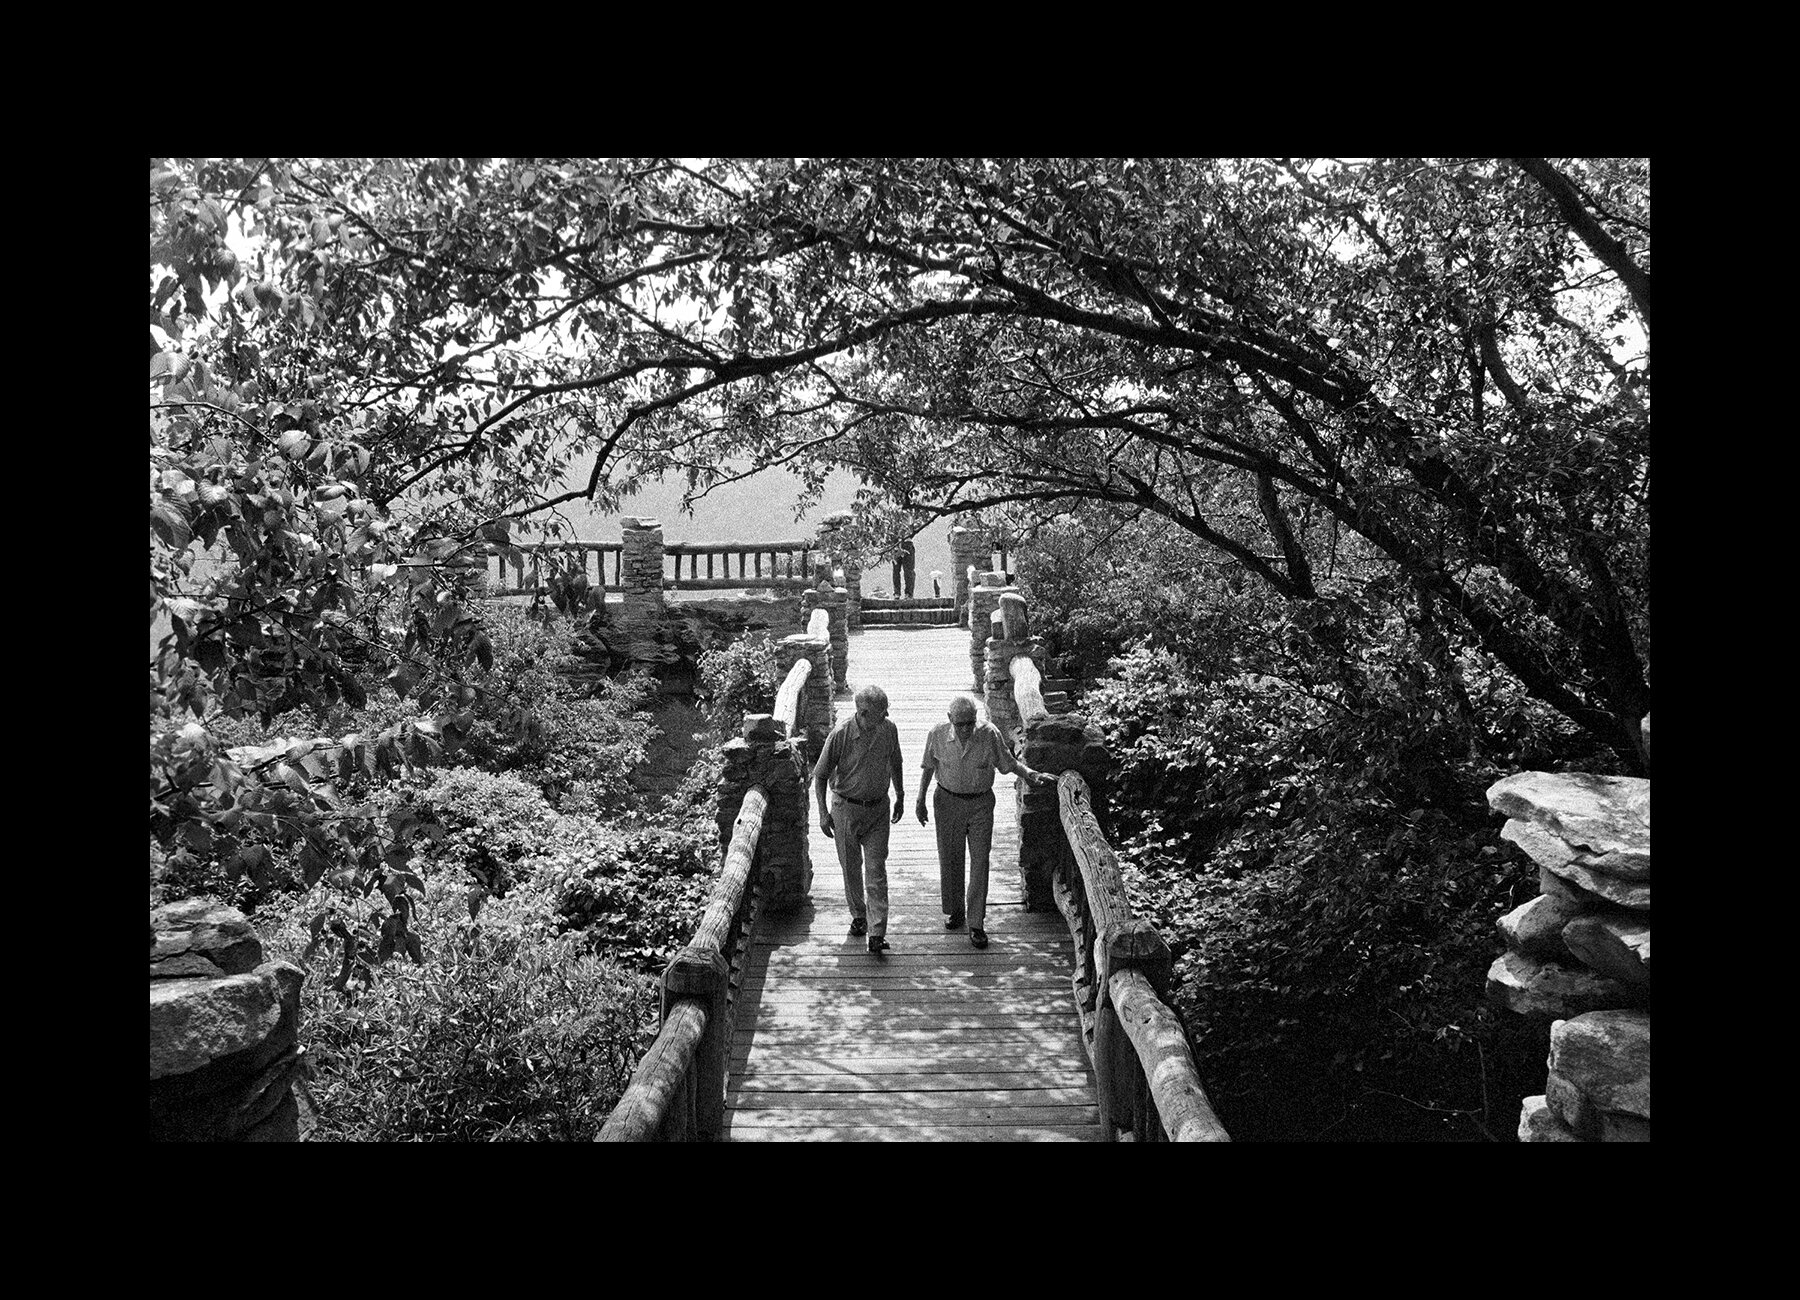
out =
column 789, row 564
column 1144, row 1072
column 778, row 564
column 529, row 559
column 677, row 1092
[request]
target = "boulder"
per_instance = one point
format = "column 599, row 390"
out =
column 1538, row 1123
column 1550, row 850
column 192, row 1021
column 1613, row 945
column 1606, row 1054
column 199, row 936
column 1552, row 990
column 1623, row 1128
column 1536, row 927
column 1607, row 818
column 1573, row 1107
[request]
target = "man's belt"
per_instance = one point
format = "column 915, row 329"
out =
column 958, row 794
column 866, row 803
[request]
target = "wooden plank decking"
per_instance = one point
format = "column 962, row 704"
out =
column 935, row 1041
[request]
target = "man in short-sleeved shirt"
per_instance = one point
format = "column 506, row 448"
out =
column 963, row 755
column 860, row 758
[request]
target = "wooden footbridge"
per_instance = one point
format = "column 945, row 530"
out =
column 934, row 1040
column 777, row 1023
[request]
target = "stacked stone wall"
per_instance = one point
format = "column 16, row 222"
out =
column 1578, row 955
column 224, row 1030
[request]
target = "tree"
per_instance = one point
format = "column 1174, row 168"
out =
column 401, row 355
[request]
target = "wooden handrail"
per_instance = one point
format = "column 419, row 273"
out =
column 677, row 1092
column 1028, row 689
column 1143, row 1069
column 787, row 699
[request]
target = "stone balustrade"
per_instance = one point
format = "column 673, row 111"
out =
column 1578, row 955
column 224, row 1030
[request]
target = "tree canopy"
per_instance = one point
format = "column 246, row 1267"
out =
column 362, row 366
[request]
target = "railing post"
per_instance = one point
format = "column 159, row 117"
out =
column 641, row 571
column 984, row 599
column 763, row 756
column 835, row 543
column 1056, row 744
column 704, row 975
column 968, row 546
column 814, row 720
column 1008, row 639
column 834, row 601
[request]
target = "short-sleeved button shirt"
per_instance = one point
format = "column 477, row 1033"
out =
column 860, row 760
column 967, row 768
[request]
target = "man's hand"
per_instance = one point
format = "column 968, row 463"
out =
column 899, row 807
column 1042, row 778
column 825, row 824
column 919, row 808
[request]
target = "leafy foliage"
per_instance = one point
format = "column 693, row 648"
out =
column 736, row 681
column 505, row 1032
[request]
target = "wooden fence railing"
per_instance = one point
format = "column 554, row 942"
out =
column 780, row 564
column 1143, row 1070
column 677, row 1092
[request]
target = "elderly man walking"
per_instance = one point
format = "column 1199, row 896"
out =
column 963, row 755
column 860, row 757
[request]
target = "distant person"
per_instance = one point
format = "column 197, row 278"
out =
column 860, row 758
column 903, row 568
column 937, row 583
column 964, row 754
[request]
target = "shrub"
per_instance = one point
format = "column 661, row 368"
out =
column 488, row 825
column 505, row 1031
column 738, row 680
column 635, row 894
column 1322, row 862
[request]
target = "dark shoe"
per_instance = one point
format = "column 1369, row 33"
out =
column 978, row 938
column 954, row 922
column 858, row 926
column 877, row 944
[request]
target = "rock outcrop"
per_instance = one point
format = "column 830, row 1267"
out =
column 224, row 1030
column 1578, row 955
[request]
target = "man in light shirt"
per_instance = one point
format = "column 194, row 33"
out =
column 860, row 758
column 963, row 755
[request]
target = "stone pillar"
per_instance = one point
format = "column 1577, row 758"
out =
column 1577, row 956
column 1065, row 743
column 983, row 601
column 834, row 540
column 968, row 546
column 815, row 716
column 835, row 602
column 764, row 757
column 224, row 1030
column 642, row 571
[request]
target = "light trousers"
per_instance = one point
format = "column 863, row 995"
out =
column 964, row 824
column 860, row 833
